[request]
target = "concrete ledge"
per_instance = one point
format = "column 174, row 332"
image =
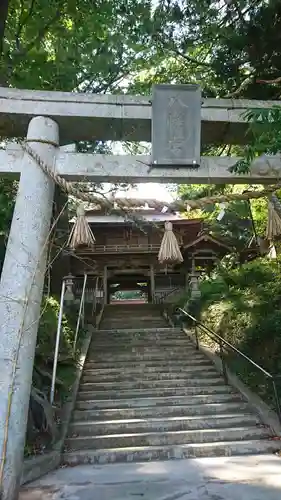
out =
column 70, row 403
column 266, row 414
column 38, row 466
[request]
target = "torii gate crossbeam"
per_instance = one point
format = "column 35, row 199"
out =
column 98, row 168
column 116, row 117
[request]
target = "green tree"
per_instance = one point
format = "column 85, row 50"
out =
column 229, row 48
column 73, row 44
column 69, row 45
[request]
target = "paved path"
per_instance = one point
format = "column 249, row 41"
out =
column 235, row 478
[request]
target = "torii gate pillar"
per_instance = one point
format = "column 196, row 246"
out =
column 20, row 300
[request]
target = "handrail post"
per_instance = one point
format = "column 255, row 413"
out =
column 196, row 337
column 81, row 307
column 224, row 369
column 95, row 297
column 277, row 400
column 54, row 374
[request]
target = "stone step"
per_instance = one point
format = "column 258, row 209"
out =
column 216, row 380
column 150, row 355
column 91, row 376
column 129, row 349
column 167, row 438
column 144, row 344
column 137, row 331
column 140, row 348
column 144, row 315
column 137, row 309
column 169, row 365
column 152, row 402
column 153, row 392
column 113, row 309
column 117, row 308
column 142, row 341
column 189, row 410
column 192, row 450
column 193, row 366
column 135, row 318
column 127, row 323
column 138, row 341
column 94, row 428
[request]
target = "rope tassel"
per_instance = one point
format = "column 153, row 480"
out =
column 169, row 250
column 81, row 233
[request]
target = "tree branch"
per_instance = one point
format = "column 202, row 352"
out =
column 176, row 51
column 40, row 35
column 241, row 87
column 275, row 80
column 23, row 22
column 191, row 59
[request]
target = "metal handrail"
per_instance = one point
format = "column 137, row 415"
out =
column 54, row 374
column 58, row 334
column 166, row 294
column 81, row 311
column 224, row 343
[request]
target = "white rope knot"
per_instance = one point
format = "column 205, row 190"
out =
column 80, row 212
column 169, row 250
column 81, row 234
column 168, row 226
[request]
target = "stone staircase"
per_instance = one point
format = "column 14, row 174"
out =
column 147, row 394
column 127, row 316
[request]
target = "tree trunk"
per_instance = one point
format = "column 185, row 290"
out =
column 4, row 8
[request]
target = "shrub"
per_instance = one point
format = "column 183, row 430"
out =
column 43, row 420
column 243, row 305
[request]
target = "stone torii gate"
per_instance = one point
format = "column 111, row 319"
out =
column 178, row 119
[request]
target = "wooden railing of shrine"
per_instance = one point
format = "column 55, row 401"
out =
column 134, row 248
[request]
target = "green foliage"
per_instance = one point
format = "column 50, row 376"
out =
column 243, row 305
column 229, row 48
column 8, row 191
column 74, row 44
column 235, row 228
column 43, row 421
column 48, row 327
column 264, row 134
